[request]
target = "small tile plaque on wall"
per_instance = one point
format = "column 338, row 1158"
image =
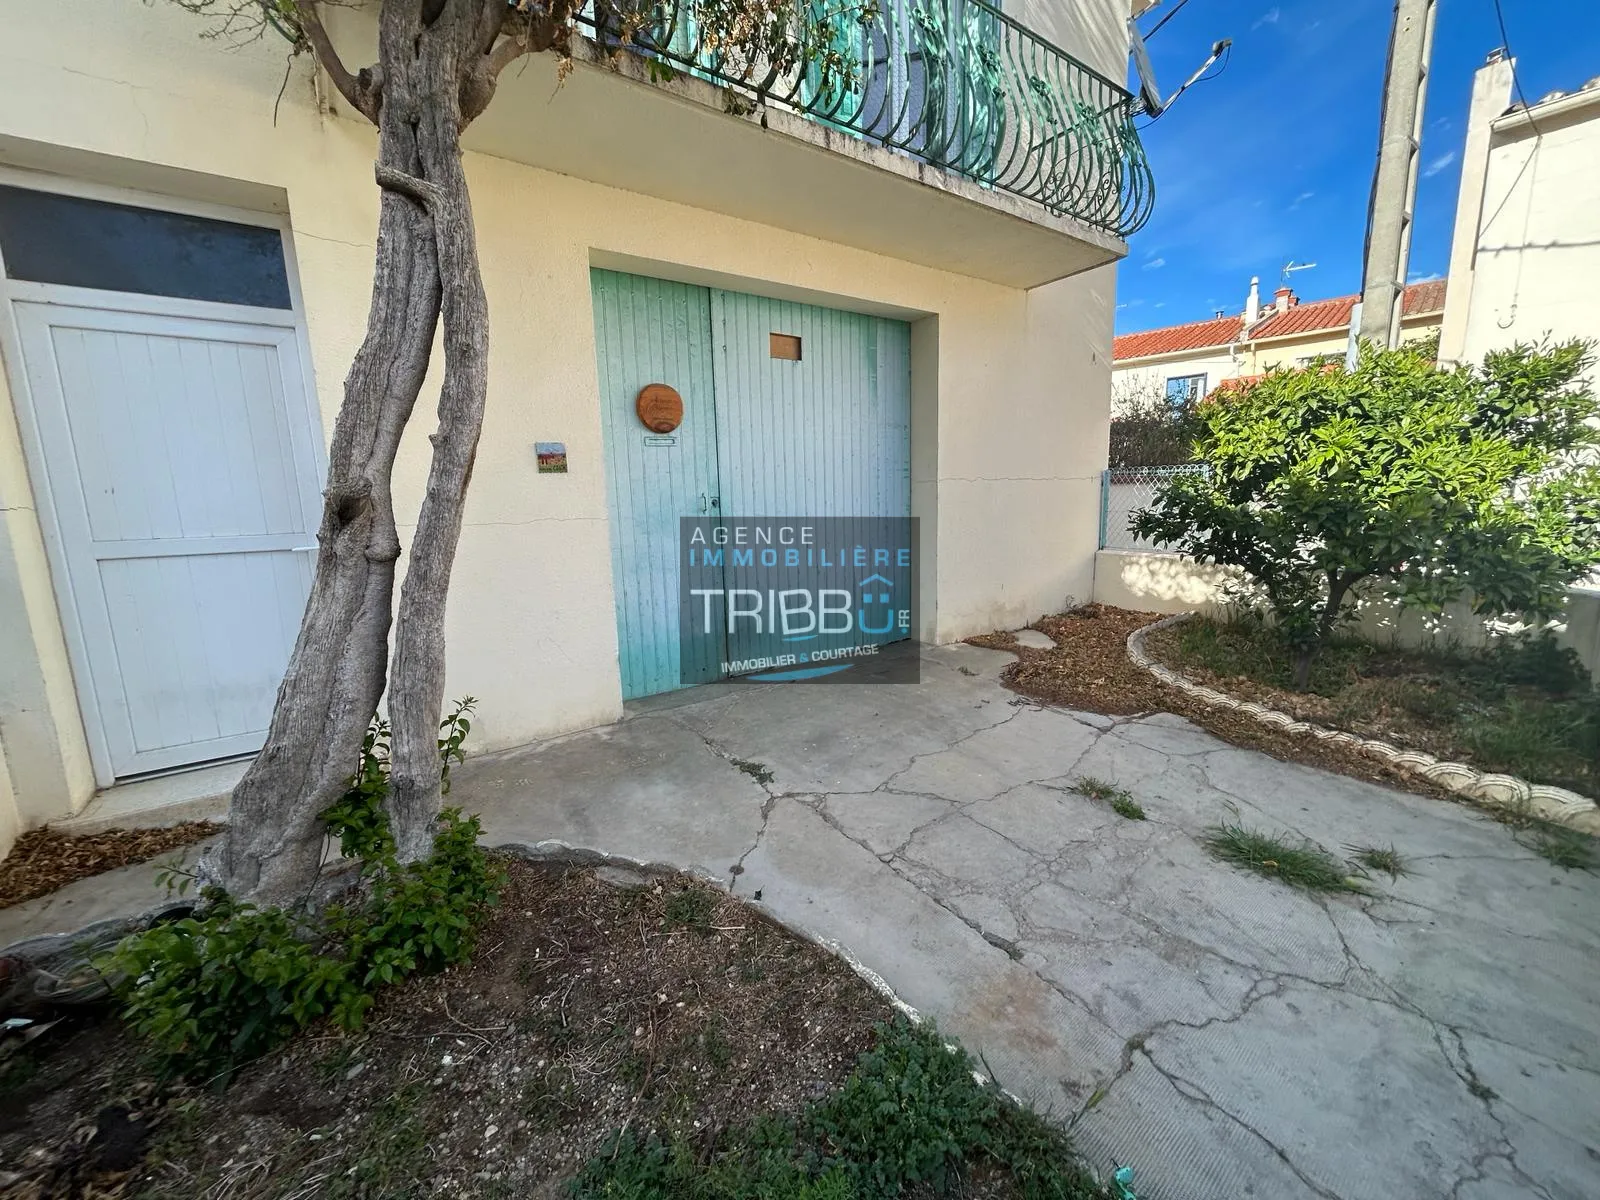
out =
column 552, row 457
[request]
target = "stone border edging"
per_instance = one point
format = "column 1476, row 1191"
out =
column 1485, row 787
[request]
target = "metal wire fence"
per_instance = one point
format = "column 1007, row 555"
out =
column 1126, row 490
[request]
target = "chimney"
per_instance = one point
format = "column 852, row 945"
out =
column 1285, row 299
column 1252, row 308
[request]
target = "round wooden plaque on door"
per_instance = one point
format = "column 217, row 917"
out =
column 659, row 407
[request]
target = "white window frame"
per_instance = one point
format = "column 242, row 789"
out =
column 12, row 290
column 1199, row 393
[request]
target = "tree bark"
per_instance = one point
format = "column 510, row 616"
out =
column 1339, row 586
column 448, row 53
column 336, row 674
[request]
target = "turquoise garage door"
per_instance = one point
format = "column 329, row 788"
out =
column 789, row 410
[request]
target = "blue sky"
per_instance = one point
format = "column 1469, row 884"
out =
column 1272, row 160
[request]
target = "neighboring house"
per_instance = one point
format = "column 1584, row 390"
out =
column 1525, row 260
column 1191, row 361
column 854, row 330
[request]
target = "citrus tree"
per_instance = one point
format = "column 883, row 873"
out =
column 1425, row 484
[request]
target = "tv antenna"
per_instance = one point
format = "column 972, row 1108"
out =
column 1290, row 267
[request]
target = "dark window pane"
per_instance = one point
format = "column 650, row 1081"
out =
column 48, row 238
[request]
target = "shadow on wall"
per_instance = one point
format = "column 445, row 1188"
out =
column 1094, row 34
column 1171, row 583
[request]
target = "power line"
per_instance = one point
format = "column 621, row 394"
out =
column 1516, row 75
column 1174, row 11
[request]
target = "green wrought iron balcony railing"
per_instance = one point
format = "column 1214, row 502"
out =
column 956, row 83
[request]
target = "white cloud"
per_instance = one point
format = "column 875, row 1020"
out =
column 1155, row 264
column 1270, row 17
column 1301, row 199
column 1438, row 164
column 1435, row 277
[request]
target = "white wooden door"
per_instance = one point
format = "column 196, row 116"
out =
column 183, row 470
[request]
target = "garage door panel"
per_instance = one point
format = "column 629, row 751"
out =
column 653, row 331
column 826, row 434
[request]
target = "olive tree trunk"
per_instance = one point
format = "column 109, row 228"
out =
column 434, row 62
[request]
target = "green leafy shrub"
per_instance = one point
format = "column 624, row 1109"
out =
column 909, row 1114
column 1149, row 430
column 228, row 984
column 909, row 1119
column 1397, row 477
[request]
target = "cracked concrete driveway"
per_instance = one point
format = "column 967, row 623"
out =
column 1227, row 1035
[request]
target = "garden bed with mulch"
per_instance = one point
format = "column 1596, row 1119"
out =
column 1522, row 708
column 637, row 1023
column 1089, row 670
column 43, row 860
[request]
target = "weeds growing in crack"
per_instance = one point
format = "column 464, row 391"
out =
column 1482, row 1090
column 760, row 772
column 1557, row 844
column 1380, row 858
column 1119, row 799
column 1301, row 864
column 1561, row 847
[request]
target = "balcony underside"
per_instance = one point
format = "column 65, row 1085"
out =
column 675, row 140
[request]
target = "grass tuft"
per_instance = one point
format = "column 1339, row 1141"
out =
column 1119, row 799
column 1561, row 847
column 1380, row 858
column 691, row 908
column 1127, row 806
column 760, row 772
column 1300, row 864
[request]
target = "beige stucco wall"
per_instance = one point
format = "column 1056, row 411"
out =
column 1536, row 267
column 1010, row 388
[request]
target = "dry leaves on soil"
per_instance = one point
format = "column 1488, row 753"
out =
column 1089, row 670
column 43, row 859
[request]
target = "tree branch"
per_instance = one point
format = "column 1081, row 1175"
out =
column 364, row 93
column 515, row 35
column 492, row 19
column 419, row 190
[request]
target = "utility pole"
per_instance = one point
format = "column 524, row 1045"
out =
column 1394, row 186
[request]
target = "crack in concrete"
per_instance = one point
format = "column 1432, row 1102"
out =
column 1196, row 1094
column 767, row 805
column 1018, row 708
column 1485, row 1095
column 1357, row 979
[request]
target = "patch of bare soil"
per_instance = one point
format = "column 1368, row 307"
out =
column 1089, row 670
column 592, row 1004
column 45, row 859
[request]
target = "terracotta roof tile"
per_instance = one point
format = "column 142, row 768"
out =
column 1314, row 317
column 1197, row 335
column 1330, row 315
